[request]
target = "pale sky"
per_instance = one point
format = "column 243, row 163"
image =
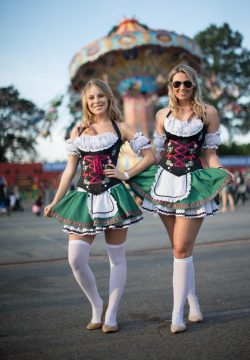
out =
column 39, row 38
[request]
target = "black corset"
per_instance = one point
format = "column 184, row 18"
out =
column 94, row 162
column 92, row 165
column 181, row 154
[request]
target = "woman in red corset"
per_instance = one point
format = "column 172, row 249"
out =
column 101, row 202
column 178, row 188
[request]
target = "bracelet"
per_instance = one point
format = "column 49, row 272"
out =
column 126, row 175
column 220, row 167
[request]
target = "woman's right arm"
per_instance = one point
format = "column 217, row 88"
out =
column 66, row 180
column 159, row 137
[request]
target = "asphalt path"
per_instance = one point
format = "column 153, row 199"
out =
column 25, row 237
column 44, row 314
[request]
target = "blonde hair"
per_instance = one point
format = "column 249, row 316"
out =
column 113, row 111
column 198, row 106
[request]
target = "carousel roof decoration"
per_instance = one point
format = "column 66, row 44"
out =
column 133, row 57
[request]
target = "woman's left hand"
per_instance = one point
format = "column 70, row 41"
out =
column 113, row 172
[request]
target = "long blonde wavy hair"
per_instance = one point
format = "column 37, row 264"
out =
column 197, row 104
column 113, row 111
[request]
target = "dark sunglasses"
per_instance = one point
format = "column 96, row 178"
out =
column 188, row 84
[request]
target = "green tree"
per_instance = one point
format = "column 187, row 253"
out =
column 235, row 149
column 226, row 76
column 18, row 126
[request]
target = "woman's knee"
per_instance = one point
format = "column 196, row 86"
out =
column 78, row 254
column 116, row 253
column 182, row 252
column 74, row 261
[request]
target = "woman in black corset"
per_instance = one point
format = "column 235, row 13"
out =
column 101, row 202
column 178, row 188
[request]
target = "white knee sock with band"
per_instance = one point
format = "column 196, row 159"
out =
column 182, row 274
column 118, row 275
column 194, row 308
column 78, row 256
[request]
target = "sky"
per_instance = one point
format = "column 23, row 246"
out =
column 39, row 39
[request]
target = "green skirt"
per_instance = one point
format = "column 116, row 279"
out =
column 158, row 186
column 83, row 213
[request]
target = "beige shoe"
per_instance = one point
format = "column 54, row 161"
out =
column 177, row 328
column 196, row 318
column 95, row 326
column 109, row 329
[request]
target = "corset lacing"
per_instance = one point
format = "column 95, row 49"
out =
column 178, row 153
column 93, row 167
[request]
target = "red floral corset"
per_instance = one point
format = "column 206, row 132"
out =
column 180, row 158
column 93, row 179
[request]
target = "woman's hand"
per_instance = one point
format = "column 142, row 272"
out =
column 48, row 209
column 113, row 172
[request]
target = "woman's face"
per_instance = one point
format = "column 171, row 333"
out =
column 182, row 87
column 97, row 101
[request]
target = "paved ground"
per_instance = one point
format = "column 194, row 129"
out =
column 25, row 237
column 43, row 312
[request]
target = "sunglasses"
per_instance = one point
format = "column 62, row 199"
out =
column 187, row 84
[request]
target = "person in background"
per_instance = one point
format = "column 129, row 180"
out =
column 48, row 192
column 227, row 197
column 101, row 202
column 247, row 178
column 37, row 206
column 241, row 189
column 18, row 203
column 178, row 188
column 12, row 199
column 3, row 196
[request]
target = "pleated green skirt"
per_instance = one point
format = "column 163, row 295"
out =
column 83, row 213
column 205, row 185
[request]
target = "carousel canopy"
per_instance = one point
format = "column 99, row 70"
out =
column 132, row 56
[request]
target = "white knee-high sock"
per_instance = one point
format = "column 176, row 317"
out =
column 194, row 309
column 192, row 283
column 181, row 285
column 118, row 275
column 78, row 256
